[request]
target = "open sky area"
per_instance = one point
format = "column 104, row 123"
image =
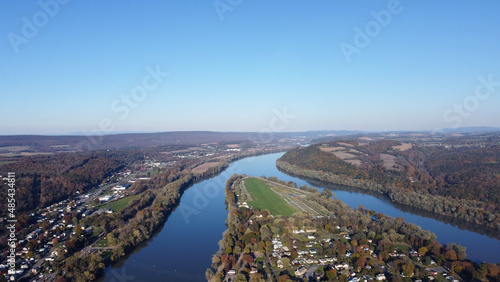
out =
column 238, row 65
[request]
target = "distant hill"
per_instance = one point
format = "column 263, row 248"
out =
column 456, row 177
column 128, row 140
column 135, row 140
column 475, row 129
column 46, row 143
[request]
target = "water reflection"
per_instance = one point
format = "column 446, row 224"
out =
column 461, row 224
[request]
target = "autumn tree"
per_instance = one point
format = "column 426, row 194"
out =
column 422, row 251
column 408, row 269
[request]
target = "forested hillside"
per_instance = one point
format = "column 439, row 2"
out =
column 43, row 180
column 461, row 181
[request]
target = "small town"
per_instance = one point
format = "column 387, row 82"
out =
column 68, row 228
column 47, row 236
column 270, row 243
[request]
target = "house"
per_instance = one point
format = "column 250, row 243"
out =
column 300, row 271
column 380, row 277
column 119, row 188
column 243, row 205
column 323, row 261
column 341, row 266
column 105, row 198
column 231, row 272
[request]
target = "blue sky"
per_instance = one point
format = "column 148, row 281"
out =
column 69, row 67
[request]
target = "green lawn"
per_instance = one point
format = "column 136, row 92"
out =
column 102, row 243
column 118, row 205
column 403, row 247
column 264, row 198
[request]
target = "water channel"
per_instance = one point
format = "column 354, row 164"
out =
column 183, row 248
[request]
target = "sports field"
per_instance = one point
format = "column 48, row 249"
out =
column 264, row 198
column 120, row 204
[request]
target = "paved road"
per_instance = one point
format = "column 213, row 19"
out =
column 310, row 272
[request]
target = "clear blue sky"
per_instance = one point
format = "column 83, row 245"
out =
column 231, row 70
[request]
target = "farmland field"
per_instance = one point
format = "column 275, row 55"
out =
column 204, row 167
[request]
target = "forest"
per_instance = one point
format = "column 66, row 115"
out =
column 44, row 180
column 457, row 181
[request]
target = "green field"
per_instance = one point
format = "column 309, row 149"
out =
column 118, row 205
column 265, row 199
column 102, row 243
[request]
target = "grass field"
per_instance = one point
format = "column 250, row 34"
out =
column 118, row 205
column 102, row 243
column 264, row 198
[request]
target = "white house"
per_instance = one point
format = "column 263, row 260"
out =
column 119, row 188
column 105, row 198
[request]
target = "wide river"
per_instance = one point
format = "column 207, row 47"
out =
column 183, row 248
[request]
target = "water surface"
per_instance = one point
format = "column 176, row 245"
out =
column 183, row 248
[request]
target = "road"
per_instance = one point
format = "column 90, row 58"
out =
column 310, row 272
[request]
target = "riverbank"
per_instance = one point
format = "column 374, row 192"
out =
column 184, row 247
column 343, row 243
column 461, row 209
column 137, row 222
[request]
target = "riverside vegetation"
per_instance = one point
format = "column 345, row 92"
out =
column 460, row 181
column 76, row 238
column 340, row 244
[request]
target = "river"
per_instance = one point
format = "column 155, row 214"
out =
column 183, row 248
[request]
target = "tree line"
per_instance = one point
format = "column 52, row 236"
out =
column 407, row 185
